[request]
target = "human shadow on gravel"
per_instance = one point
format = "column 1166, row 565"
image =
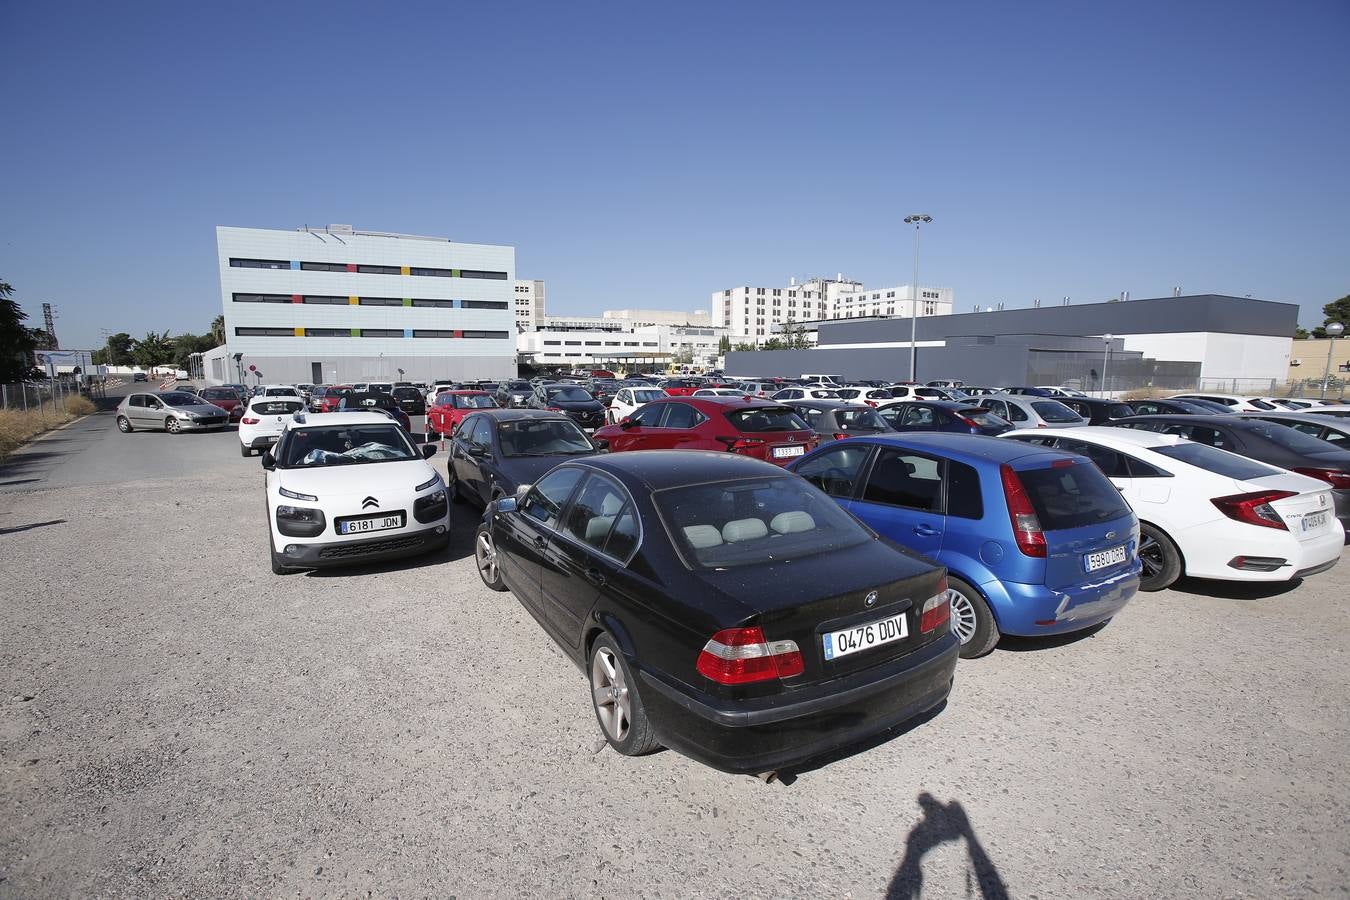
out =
column 944, row 823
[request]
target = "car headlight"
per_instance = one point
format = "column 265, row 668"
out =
column 294, row 495
column 435, row 480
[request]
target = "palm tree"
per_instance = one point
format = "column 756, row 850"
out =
column 218, row 330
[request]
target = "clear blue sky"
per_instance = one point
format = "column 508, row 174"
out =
column 648, row 154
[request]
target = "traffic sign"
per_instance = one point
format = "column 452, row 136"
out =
column 253, row 368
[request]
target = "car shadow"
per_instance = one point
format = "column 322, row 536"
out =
column 1235, row 590
column 789, row 775
column 1028, row 644
column 944, row 823
column 31, row 526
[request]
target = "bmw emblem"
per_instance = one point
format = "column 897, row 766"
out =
column 870, row 599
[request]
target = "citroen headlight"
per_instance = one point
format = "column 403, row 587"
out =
column 295, row 495
column 435, row 480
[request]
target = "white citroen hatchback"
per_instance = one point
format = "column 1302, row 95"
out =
column 351, row 487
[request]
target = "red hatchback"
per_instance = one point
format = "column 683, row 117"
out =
column 681, row 387
column 768, row 431
column 451, row 407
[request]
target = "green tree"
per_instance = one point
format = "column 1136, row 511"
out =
column 1300, row 333
column 774, row 343
column 187, row 344
column 16, row 338
column 217, row 331
column 723, row 345
column 42, row 339
column 118, row 349
column 153, row 350
column 745, row 347
column 1337, row 311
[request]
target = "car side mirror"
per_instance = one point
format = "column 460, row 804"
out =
column 269, row 461
column 626, row 423
column 428, row 451
column 478, row 450
column 506, row 505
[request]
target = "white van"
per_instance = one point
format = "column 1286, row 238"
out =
column 830, row 380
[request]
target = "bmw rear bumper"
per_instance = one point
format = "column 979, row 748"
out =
column 777, row 732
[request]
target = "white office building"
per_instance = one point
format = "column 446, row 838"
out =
column 753, row 315
column 698, row 318
column 341, row 305
column 529, row 304
column 588, row 342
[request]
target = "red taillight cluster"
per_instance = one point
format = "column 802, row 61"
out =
column 1026, row 526
column 936, row 610
column 740, row 444
column 839, row 436
column 249, row 420
column 1334, row 477
column 1253, row 509
column 743, row 656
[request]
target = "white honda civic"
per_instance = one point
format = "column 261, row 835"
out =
column 1208, row 513
column 351, row 487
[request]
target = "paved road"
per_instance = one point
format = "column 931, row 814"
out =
column 176, row 720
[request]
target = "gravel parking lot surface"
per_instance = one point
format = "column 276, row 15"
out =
column 174, row 719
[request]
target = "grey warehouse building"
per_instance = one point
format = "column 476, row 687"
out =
column 1166, row 342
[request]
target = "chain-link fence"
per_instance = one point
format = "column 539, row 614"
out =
column 51, row 395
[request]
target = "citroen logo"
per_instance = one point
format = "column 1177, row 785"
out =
column 870, row 599
column 369, row 502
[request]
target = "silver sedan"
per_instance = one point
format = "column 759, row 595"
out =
column 171, row 411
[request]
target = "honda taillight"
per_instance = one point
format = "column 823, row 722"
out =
column 740, row 444
column 248, row 420
column 1334, row 477
column 742, row 656
column 1254, row 509
column 1026, row 527
column 936, row 610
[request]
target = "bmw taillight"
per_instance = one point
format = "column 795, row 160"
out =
column 1254, row 508
column 743, row 656
column 1026, row 526
column 936, row 610
column 248, row 420
column 1334, row 477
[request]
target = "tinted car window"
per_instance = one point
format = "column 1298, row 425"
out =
column 1109, row 461
column 752, row 521
column 1054, row 411
column 901, row 478
column 217, row 394
column 1211, row 437
column 766, row 418
column 965, row 498
column 1230, row 465
column 1147, row 409
column 481, row 435
column 181, row 398
column 835, row 471
column 545, row 500
column 681, row 415
column 1072, row 496
column 543, row 437
column 276, row 407
column 863, row 417
column 917, row 415
column 982, row 417
column 474, row 401
column 594, row 512
column 1118, row 411
column 649, row 415
column 568, row 395
column 407, row 393
column 623, row 538
column 1288, row 438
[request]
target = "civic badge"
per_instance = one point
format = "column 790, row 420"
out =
column 369, row 502
column 870, row 599
column 1322, row 498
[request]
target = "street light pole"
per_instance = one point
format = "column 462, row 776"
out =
column 1106, row 359
column 916, row 220
column 1334, row 330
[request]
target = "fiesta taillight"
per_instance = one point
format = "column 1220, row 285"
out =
column 1026, row 526
column 1334, row 477
column 1253, row 509
column 936, row 609
column 743, row 656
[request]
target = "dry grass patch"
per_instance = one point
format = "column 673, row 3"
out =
column 18, row 426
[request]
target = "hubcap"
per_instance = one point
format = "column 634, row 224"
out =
column 963, row 615
column 610, row 690
column 1150, row 554
column 487, row 559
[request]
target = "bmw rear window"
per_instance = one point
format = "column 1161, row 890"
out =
column 767, row 418
column 1212, row 459
column 1072, row 496
column 1054, row 411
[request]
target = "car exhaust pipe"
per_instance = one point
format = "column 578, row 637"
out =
column 767, row 777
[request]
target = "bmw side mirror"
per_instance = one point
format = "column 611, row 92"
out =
column 428, row 451
column 269, row 461
column 506, row 505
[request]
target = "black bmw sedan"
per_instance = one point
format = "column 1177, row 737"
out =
column 495, row 451
column 573, row 400
column 721, row 607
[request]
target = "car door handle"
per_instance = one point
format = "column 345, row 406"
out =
column 926, row 530
column 595, row 576
column 539, row 543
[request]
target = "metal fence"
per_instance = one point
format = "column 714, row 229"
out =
column 52, row 394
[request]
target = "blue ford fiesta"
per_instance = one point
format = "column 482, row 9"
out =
column 1036, row 542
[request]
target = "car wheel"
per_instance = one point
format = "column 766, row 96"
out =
column 245, row 449
column 485, row 557
column 1160, row 557
column 124, row 425
column 972, row 619
column 618, row 706
column 172, row 425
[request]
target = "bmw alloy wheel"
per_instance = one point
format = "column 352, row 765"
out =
column 610, row 690
column 963, row 615
column 486, row 556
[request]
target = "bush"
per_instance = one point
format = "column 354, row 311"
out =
column 79, row 406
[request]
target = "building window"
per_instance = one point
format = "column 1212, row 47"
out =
column 259, row 263
column 630, row 343
column 328, row 332
column 482, row 304
column 486, row 335
column 321, row 300
column 432, row 333
column 265, row 332
column 379, row 270
column 382, row 332
column 649, row 344
column 381, row 301
column 434, row 273
column 573, row 343
column 592, row 343
column 552, row 343
column 890, row 293
column 474, row 273
column 262, row 298
column 323, row 267
column 434, row 304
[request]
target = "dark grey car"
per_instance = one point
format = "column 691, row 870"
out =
column 171, row 411
column 834, row 420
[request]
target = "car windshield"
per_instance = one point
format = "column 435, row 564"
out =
column 1054, row 411
column 1212, row 459
column 181, row 398
column 217, row 394
column 407, row 393
column 982, row 417
column 568, row 395
column 474, row 401
column 1072, row 496
column 337, row 445
column 360, row 401
column 647, row 395
column 542, row 437
column 750, row 522
column 767, row 418
column 860, row 418
column 1290, row 438
column 518, row 386
column 275, row 407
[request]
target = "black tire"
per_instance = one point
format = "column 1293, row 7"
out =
column 967, row 602
column 1161, row 559
column 636, row 736
column 124, row 425
column 485, row 559
column 244, row 449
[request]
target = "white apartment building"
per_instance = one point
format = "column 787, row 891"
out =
column 588, row 342
column 339, row 305
column 697, row 317
column 529, row 304
column 756, row 314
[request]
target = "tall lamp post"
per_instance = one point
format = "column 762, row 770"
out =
column 1334, row 330
column 1106, row 360
column 915, row 220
